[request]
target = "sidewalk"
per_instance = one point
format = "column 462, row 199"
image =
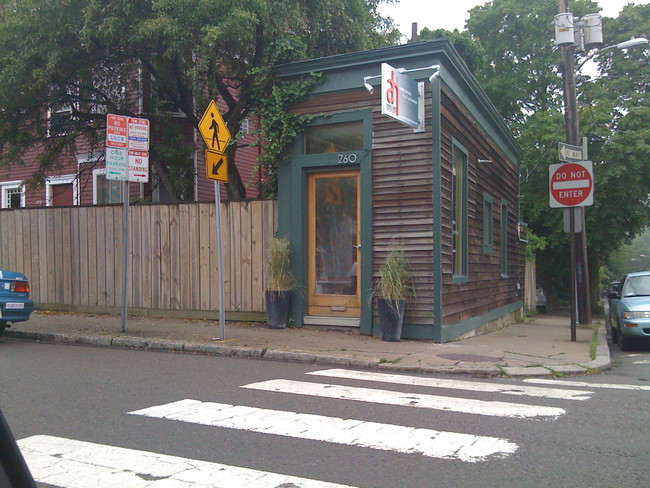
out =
column 536, row 347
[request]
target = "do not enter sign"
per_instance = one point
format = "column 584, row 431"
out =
column 571, row 184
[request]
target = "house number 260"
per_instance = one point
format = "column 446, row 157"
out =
column 347, row 158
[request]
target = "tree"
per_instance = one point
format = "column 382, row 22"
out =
column 74, row 57
column 469, row 48
column 523, row 79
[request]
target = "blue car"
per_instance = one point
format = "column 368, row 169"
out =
column 629, row 310
column 15, row 305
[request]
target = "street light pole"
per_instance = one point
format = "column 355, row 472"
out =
column 586, row 34
column 579, row 270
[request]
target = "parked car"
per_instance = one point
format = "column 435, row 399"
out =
column 540, row 299
column 15, row 305
column 612, row 288
column 629, row 310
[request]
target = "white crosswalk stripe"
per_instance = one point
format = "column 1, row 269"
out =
column 584, row 384
column 76, row 464
column 462, row 405
column 562, row 394
column 68, row 463
column 388, row 437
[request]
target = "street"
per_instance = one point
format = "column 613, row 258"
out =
column 147, row 419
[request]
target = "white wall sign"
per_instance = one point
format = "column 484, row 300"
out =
column 116, row 164
column 400, row 96
column 138, row 166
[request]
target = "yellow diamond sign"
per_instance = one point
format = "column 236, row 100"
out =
column 213, row 129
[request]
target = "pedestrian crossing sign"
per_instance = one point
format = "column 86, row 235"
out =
column 213, row 129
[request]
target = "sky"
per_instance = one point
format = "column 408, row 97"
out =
column 452, row 14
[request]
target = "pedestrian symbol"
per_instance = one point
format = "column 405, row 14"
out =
column 213, row 129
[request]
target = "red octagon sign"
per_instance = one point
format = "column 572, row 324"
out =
column 571, row 184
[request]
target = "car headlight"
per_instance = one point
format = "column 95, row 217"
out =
column 636, row 315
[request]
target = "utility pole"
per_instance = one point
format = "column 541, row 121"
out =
column 580, row 298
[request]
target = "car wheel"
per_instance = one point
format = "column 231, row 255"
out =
column 624, row 343
column 3, row 326
column 614, row 335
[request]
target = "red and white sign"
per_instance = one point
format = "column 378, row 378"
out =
column 571, row 184
column 116, row 131
column 138, row 168
column 138, row 134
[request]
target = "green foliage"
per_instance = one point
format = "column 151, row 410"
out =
column 279, row 275
column 629, row 258
column 534, row 244
column 523, row 79
column 395, row 281
column 469, row 48
column 181, row 52
column 279, row 128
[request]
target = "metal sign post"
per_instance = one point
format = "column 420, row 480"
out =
column 127, row 160
column 216, row 136
column 125, row 253
column 222, row 312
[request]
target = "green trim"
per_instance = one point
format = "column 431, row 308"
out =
column 292, row 209
column 436, row 162
column 504, row 239
column 464, row 326
column 345, row 72
column 455, row 145
column 488, row 223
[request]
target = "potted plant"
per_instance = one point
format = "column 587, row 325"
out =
column 392, row 289
column 280, row 281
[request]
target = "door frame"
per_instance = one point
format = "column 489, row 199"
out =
column 322, row 301
column 293, row 176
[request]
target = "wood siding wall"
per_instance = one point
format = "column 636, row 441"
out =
column 73, row 255
column 402, row 185
column 485, row 288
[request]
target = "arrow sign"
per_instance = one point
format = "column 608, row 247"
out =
column 216, row 166
column 138, row 170
column 569, row 153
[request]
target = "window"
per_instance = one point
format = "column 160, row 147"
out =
column 105, row 191
column 459, row 212
column 61, row 191
column 488, row 224
column 332, row 138
column 60, row 114
column 504, row 239
column 13, row 195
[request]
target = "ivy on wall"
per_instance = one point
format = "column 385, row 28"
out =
column 279, row 128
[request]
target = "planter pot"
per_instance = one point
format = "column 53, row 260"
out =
column 391, row 317
column 278, row 306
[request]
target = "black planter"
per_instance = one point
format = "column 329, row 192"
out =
column 278, row 305
column 391, row 317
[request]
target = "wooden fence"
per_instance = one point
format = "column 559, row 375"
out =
column 72, row 256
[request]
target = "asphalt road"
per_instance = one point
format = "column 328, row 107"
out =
column 86, row 394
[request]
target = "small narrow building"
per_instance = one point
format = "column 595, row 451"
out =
column 408, row 150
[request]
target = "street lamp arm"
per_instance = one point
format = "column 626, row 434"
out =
column 634, row 42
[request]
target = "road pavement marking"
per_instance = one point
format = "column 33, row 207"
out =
column 643, row 361
column 456, row 385
column 462, row 405
column 612, row 386
column 386, row 437
column 70, row 463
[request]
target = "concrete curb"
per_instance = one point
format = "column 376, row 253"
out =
column 601, row 363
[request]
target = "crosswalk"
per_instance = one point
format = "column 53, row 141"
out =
column 70, row 463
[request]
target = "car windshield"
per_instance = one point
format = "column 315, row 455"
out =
column 637, row 285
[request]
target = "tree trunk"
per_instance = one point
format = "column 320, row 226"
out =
column 235, row 188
